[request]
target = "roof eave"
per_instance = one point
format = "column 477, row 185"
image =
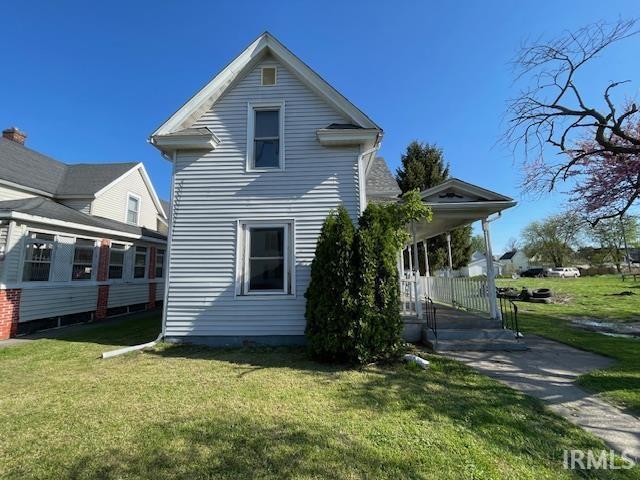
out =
column 341, row 137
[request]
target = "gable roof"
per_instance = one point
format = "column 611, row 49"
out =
column 40, row 173
column 509, row 255
column 466, row 189
column 264, row 44
column 31, row 169
column 381, row 185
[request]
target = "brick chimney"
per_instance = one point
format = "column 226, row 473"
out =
column 14, row 135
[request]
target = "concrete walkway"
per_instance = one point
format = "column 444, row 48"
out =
column 548, row 371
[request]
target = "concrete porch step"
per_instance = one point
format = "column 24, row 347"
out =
column 473, row 340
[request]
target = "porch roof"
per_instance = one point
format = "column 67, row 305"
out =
column 455, row 203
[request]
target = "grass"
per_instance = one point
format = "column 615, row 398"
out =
column 194, row 413
column 590, row 298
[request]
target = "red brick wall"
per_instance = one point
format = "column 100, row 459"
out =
column 9, row 312
column 103, row 299
column 152, row 295
column 103, row 260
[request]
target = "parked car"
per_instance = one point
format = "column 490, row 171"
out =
column 564, row 272
column 534, row 272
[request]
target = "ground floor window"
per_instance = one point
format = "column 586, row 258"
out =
column 159, row 262
column 116, row 260
column 83, row 259
column 140, row 263
column 37, row 257
column 265, row 250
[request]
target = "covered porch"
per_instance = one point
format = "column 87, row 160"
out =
column 454, row 203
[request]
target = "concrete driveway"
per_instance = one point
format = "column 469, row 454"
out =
column 548, row 371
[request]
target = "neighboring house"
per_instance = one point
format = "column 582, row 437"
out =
column 514, row 261
column 261, row 155
column 478, row 266
column 77, row 242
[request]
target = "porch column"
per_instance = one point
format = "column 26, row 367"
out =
column 491, row 275
column 416, row 272
column 453, row 297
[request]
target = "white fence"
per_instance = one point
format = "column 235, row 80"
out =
column 470, row 294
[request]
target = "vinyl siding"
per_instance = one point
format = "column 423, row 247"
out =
column 113, row 202
column 82, row 205
column 56, row 301
column 10, row 193
column 128, row 294
column 213, row 192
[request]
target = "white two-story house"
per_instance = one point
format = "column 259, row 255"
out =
column 77, row 242
column 261, row 155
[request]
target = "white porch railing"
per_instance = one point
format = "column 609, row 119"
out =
column 408, row 304
column 471, row 294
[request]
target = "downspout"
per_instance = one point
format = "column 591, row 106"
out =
column 161, row 335
column 362, row 177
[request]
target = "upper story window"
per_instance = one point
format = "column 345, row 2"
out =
column 265, row 136
column 160, row 262
column 140, row 263
column 133, row 209
column 116, row 260
column 269, row 76
column 82, row 259
column 37, row 257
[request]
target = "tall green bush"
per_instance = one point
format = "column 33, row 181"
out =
column 330, row 307
column 353, row 304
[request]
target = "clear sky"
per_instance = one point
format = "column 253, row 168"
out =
column 89, row 81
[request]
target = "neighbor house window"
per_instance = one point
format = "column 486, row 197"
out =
column 265, row 127
column 133, row 209
column 116, row 260
column 269, row 76
column 159, row 263
column 82, row 259
column 140, row 263
column 266, row 258
column 37, row 257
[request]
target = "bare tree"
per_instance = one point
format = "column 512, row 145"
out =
column 552, row 111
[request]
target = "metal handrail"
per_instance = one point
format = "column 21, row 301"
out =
column 509, row 314
column 430, row 316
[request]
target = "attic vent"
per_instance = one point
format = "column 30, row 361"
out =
column 268, row 76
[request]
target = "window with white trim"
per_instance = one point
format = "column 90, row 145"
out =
column 159, row 262
column 38, row 254
column 266, row 258
column 82, row 259
column 265, row 136
column 140, row 263
column 133, row 209
column 116, row 260
column 269, row 76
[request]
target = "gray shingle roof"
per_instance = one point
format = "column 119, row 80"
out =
column 43, row 207
column 26, row 167
column 381, row 186
column 509, row 255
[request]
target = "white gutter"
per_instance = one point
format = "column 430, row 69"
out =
column 161, row 335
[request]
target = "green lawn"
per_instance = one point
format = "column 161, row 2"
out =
column 590, row 298
column 190, row 413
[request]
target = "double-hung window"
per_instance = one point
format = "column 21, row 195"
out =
column 133, row 209
column 37, row 257
column 140, row 263
column 265, row 132
column 116, row 261
column 159, row 262
column 82, row 259
column 266, row 258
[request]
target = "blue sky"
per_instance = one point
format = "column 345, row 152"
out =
column 88, row 81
